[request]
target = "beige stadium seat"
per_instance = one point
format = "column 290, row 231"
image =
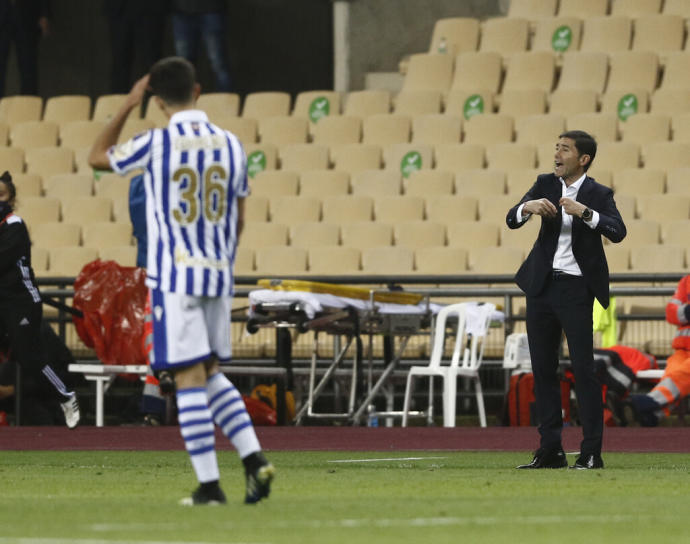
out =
column 386, row 129
column 532, row 9
column 280, row 261
column 347, row 209
column 261, row 157
column 366, row 234
column 264, row 235
column 52, row 234
column 478, row 70
column 518, row 182
column 466, row 103
column 272, row 183
column 320, row 183
column 568, row 38
column 676, row 232
column 522, row 238
column 657, row 258
column 367, row 102
column 416, row 234
column 626, row 206
column 440, row 260
column 644, row 128
column 87, row 209
column 47, row 161
column 495, row 260
column 315, row 105
column 107, row 105
column 522, row 103
column 33, row 134
column 123, row 255
column 625, row 102
column 436, row 128
column 39, row 261
column 395, row 209
column 27, row 184
column 68, row 261
column 676, row 72
column 642, row 232
column 112, row 185
column 340, row 129
column 449, row 209
column 480, row 182
column 455, row 35
column 429, row 182
column 633, row 69
column 571, row 101
column 602, row 126
column 244, row 261
column 219, row 104
column 429, row 71
column 12, row 159
column 530, row 70
column 388, row 260
column 310, row 234
column 408, row 158
column 334, row 260
column 454, row 157
column 418, row 102
column 617, row 155
column 294, row 209
column 504, row 35
column 39, row 209
column 639, row 181
column 661, row 33
column 376, row 183
column 671, row 101
column 489, row 129
column 256, row 208
column 4, row 134
column 584, row 70
column 19, row 109
column 664, row 208
column 635, row 8
column 512, row 155
column 538, row 129
column 677, row 180
column 80, row 134
column 266, row 104
column 666, row 155
column 66, row 186
column 282, row 130
column 353, row 158
column 618, row 258
column 472, row 234
column 134, row 126
column 545, row 155
column 302, row 157
column 495, row 208
column 680, row 127
column 606, row 33
column 107, row 234
column 67, row 108
column 677, row 7
column 245, row 128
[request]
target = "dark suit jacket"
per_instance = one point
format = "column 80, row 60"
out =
column 587, row 247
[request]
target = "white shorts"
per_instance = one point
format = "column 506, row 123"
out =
column 188, row 330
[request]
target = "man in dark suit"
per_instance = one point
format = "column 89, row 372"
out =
column 561, row 276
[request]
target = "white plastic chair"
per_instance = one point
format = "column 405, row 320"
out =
column 516, row 354
column 472, row 327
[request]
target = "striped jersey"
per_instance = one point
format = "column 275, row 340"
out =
column 194, row 172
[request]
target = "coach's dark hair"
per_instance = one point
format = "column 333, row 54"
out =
column 6, row 178
column 173, row 79
column 584, row 143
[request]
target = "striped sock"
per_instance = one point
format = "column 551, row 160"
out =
column 230, row 414
column 197, row 431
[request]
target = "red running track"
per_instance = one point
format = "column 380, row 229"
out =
column 630, row 439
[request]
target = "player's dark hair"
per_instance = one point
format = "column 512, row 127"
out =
column 173, row 79
column 584, row 143
column 6, row 178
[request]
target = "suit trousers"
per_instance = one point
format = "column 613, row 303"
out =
column 564, row 306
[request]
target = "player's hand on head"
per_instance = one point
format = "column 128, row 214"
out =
column 136, row 94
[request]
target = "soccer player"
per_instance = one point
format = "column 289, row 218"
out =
column 196, row 181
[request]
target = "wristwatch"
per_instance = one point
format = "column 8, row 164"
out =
column 586, row 214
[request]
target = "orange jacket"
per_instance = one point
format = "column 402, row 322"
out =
column 678, row 312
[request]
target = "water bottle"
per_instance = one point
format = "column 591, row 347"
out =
column 443, row 45
column 372, row 418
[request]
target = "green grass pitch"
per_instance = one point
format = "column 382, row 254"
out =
column 344, row 497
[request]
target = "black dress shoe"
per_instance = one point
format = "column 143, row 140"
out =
column 547, row 459
column 587, row 462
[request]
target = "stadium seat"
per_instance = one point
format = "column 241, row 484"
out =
column 280, row 261
column 472, row 234
column 416, row 234
column 52, row 234
column 396, row 209
column 40, row 209
column 666, row 155
column 4, row 134
column 386, row 129
column 134, row 126
column 607, row 34
column 617, row 155
column 677, row 7
column 387, row 260
column 661, row 33
column 436, row 128
column 107, row 234
column 522, row 238
column 495, row 260
column 12, row 159
column 125, row 255
column 644, row 128
column 264, row 235
column 635, row 8
column 478, row 70
column 107, row 105
column 321, row 183
column 677, row 181
column 68, row 261
column 584, row 70
column 618, row 258
column 454, row 35
column 27, row 184
column 67, row 108
column 633, row 69
column 468, row 102
column 266, row 104
column 603, row 126
column 66, row 186
column 367, row 102
column 657, row 258
column 530, row 70
column 680, row 127
column 544, row 37
column 334, row 260
column 495, row 208
column 489, row 129
column 275, row 183
column 47, row 161
column 522, row 103
column 340, row 129
column 538, row 129
column 80, row 134
column 639, row 181
column 87, row 209
column 671, row 101
column 532, row 9
column 255, row 208
column 376, row 183
column 407, row 158
column 571, row 101
column 284, row 129
column 519, row 181
column 429, row 71
column 626, row 206
column 219, row 104
column 315, row 105
column 303, row 157
column 244, row 260
column 112, row 185
column 245, row 128
column 353, row 158
column 418, row 102
column 429, row 182
column 440, row 260
column 642, row 232
column 308, row 234
column 19, row 109
column 480, row 182
column 511, row 155
column 366, row 234
column 454, row 157
column 294, row 209
column 625, row 102
column 347, row 209
column 261, row 157
column 33, row 134
column 448, row 209
column 39, row 262
column 664, row 207
column 676, row 232
column 504, row 35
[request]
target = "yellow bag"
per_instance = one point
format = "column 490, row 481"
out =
column 268, row 394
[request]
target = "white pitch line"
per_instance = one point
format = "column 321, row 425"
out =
column 383, row 459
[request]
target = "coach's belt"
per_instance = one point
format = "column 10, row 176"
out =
column 560, row 275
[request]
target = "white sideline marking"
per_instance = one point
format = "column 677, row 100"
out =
column 383, row 459
column 10, row 540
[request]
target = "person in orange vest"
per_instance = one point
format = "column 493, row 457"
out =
column 648, row 409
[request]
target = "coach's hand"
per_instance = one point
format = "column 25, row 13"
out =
column 543, row 207
column 572, row 207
